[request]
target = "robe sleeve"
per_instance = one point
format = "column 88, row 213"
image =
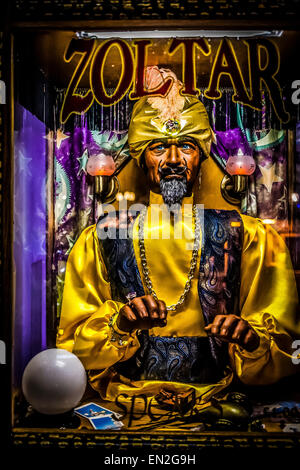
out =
column 269, row 302
column 87, row 308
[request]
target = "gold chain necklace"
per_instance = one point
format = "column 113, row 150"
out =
column 193, row 264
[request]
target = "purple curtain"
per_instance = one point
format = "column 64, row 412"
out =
column 30, row 230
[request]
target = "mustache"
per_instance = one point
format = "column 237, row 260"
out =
column 169, row 171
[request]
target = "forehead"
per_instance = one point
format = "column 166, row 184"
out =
column 173, row 140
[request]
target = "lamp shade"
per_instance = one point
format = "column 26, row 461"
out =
column 100, row 165
column 240, row 164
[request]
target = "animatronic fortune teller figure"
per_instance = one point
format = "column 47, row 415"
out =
column 156, row 309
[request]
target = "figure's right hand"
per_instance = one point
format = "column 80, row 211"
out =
column 142, row 313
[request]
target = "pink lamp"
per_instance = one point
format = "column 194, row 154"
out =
column 240, row 164
column 100, row 165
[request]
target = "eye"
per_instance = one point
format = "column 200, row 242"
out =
column 186, row 146
column 159, row 147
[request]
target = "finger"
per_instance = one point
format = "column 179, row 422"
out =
column 139, row 307
column 251, row 340
column 152, row 306
column 207, row 328
column 229, row 325
column 217, row 323
column 162, row 309
column 248, row 337
column 226, row 318
column 240, row 331
column 128, row 313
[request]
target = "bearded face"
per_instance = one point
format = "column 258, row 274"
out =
column 172, row 166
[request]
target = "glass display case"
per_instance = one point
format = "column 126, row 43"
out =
column 71, row 89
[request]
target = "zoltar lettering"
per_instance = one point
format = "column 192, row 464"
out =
column 263, row 61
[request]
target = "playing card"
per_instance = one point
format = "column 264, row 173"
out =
column 105, row 422
column 93, row 410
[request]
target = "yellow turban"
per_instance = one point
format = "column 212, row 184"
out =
column 147, row 124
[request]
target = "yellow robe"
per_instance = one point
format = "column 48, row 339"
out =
column 268, row 301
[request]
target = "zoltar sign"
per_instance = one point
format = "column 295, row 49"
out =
column 263, row 63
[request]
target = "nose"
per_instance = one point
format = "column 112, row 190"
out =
column 173, row 157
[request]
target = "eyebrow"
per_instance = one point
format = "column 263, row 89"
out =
column 180, row 140
column 187, row 139
column 157, row 141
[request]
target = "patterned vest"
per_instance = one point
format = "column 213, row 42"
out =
column 180, row 359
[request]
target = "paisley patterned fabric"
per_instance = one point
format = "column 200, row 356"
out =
column 219, row 273
column 181, row 359
column 118, row 255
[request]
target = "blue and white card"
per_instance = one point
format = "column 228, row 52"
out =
column 93, row 410
column 105, row 422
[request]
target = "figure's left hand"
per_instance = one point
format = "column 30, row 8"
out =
column 233, row 329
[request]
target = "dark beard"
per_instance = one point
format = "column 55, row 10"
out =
column 173, row 190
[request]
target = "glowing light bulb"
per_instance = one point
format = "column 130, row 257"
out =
column 240, row 164
column 100, row 165
column 119, row 196
column 268, row 221
column 129, row 196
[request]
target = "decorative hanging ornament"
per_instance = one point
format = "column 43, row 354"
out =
column 100, row 165
column 240, row 164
